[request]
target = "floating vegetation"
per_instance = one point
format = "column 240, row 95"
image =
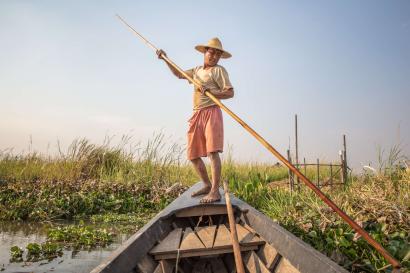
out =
column 80, row 236
column 51, row 250
column 33, row 251
column 73, row 236
column 123, row 223
column 16, row 254
column 36, row 252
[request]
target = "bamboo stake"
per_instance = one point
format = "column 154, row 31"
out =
column 308, row 183
column 317, row 173
column 331, row 175
column 344, row 158
column 304, row 164
column 290, row 173
column 342, row 167
column 234, row 235
column 297, row 150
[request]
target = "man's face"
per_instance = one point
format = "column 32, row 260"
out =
column 212, row 56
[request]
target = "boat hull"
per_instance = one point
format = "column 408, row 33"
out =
column 133, row 255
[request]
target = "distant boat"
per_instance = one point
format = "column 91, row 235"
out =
column 191, row 237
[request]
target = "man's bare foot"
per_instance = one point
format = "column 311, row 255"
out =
column 211, row 197
column 204, row 190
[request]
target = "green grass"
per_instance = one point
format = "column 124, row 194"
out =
column 115, row 184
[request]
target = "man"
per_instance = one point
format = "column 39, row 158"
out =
column 205, row 132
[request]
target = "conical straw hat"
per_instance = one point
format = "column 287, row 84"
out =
column 214, row 43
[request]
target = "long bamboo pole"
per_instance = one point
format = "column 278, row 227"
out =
column 308, row 183
column 234, row 234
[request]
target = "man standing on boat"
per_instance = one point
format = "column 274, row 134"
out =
column 205, row 132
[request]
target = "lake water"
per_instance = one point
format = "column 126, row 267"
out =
column 22, row 233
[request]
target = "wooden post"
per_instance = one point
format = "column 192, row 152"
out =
column 318, row 172
column 234, row 235
column 344, row 148
column 331, row 175
column 296, row 148
column 344, row 158
column 304, row 163
column 342, row 173
column 290, row 173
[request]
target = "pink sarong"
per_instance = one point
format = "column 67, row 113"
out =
column 205, row 132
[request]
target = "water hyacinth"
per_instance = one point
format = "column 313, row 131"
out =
column 33, row 251
column 16, row 254
column 80, row 236
column 73, row 236
column 36, row 252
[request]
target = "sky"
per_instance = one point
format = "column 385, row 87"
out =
column 71, row 69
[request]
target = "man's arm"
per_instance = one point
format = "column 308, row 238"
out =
column 178, row 74
column 225, row 94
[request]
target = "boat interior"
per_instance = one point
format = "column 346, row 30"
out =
column 200, row 241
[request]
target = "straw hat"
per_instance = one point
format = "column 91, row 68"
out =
column 214, row 43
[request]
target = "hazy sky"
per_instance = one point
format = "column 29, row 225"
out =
column 70, row 69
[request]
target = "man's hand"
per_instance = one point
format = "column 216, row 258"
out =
column 161, row 53
column 203, row 89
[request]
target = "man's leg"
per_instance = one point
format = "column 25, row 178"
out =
column 213, row 194
column 201, row 171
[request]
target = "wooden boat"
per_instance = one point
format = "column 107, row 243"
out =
column 191, row 237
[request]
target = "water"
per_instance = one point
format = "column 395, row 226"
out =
column 22, row 233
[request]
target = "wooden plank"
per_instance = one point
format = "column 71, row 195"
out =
column 190, row 242
column 255, row 265
column 248, row 227
column 207, row 235
column 223, row 238
column 243, row 234
column 169, row 244
column 201, row 210
column 285, row 266
column 245, row 237
column 218, row 266
column 202, row 253
column 268, row 255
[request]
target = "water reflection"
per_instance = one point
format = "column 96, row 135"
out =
column 22, row 233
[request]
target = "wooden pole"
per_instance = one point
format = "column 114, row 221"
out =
column 344, row 148
column 290, row 173
column 296, row 149
column 317, row 173
column 304, row 164
column 268, row 146
column 331, row 175
column 342, row 173
column 344, row 158
column 234, row 235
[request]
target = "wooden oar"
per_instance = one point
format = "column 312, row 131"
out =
column 305, row 180
column 234, row 234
